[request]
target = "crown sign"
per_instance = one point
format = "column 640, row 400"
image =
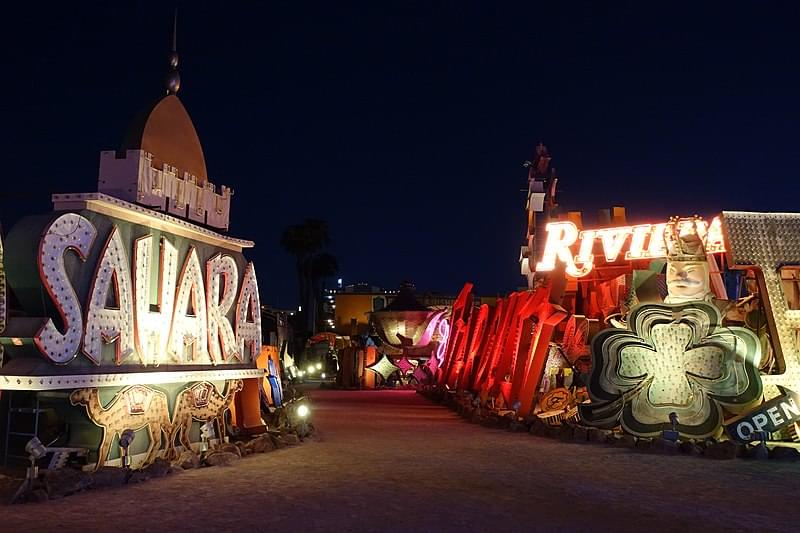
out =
column 685, row 238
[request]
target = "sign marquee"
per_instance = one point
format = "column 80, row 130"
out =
column 190, row 323
column 647, row 241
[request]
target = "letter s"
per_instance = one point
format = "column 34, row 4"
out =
column 70, row 231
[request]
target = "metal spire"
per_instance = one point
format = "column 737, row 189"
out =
column 175, row 31
column 173, row 79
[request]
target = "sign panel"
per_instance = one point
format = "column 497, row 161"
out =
column 117, row 293
column 769, row 417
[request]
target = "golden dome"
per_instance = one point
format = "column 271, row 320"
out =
column 166, row 131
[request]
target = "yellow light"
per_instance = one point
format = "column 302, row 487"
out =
column 310, row 369
column 302, row 411
column 319, row 366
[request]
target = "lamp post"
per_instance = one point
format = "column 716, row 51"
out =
column 206, row 433
column 35, row 450
column 672, row 434
column 760, row 451
column 300, row 415
column 125, row 440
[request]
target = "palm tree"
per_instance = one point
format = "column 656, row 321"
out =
column 304, row 241
column 323, row 266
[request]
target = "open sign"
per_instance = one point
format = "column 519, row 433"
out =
column 769, row 417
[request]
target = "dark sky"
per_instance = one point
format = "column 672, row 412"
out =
column 405, row 125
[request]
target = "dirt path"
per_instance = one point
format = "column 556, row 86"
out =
column 394, row 461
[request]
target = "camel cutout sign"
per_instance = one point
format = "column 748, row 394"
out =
column 137, row 407
column 118, row 416
column 204, row 406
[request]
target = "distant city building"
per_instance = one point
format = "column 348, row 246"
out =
column 347, row 311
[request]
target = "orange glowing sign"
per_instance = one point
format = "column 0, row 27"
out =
column 646, row 242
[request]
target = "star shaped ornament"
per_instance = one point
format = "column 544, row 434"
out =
column 420, row 375
column 384, row 367
column 404, row 365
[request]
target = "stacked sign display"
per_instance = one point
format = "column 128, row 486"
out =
column 147, row 318
column 499, row 353
column 685, row 328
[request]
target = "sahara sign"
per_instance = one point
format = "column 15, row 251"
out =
column 647, row 241
column 190, row 323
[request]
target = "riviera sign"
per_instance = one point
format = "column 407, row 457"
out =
column 647, row 241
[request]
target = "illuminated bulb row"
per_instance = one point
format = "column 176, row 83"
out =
column 70, row 231
column 151, row 333
column 220, row 333
column 108, row 325
column 190, row 330
column 248, row 316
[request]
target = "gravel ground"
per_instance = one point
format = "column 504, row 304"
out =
column 392, row 461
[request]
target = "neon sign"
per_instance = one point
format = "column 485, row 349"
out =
column 209, row 315
column 647, row 241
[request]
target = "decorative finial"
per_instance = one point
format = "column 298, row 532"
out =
column 173, row 79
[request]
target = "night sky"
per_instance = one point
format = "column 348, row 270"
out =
column 405, row 126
